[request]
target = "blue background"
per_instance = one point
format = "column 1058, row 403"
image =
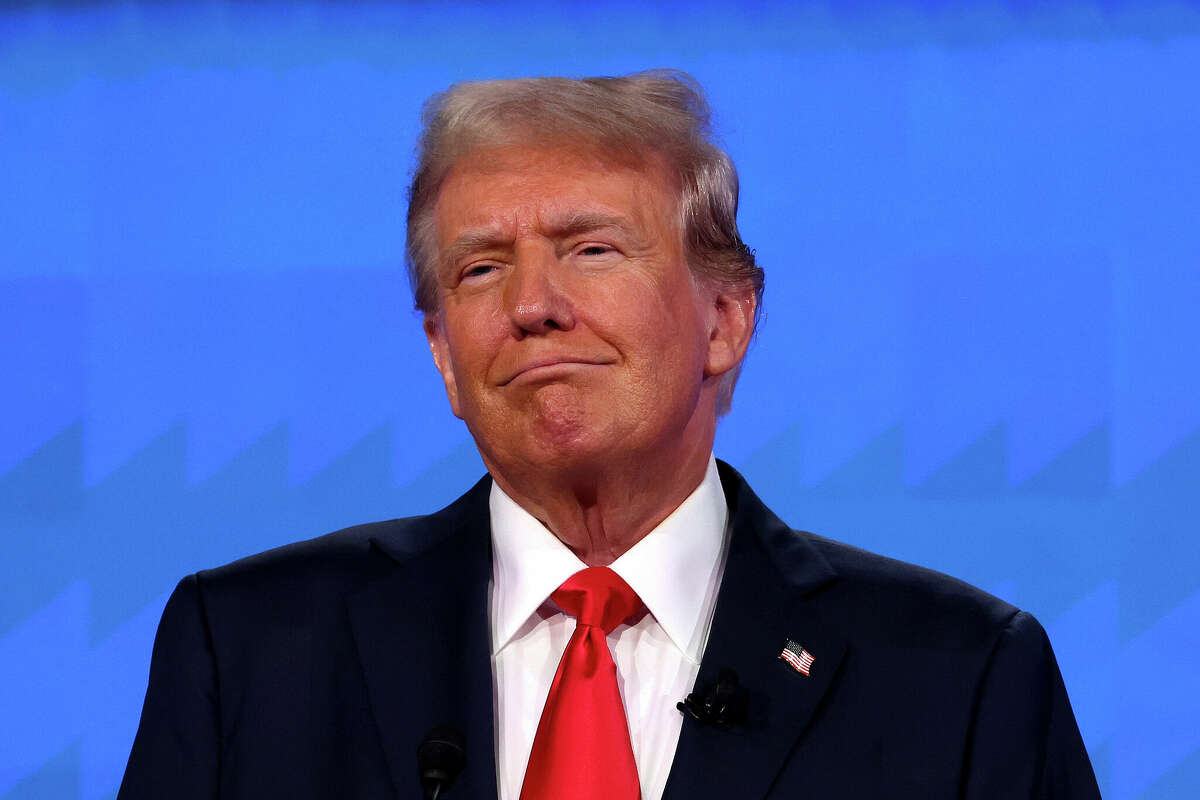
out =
column 981, row 231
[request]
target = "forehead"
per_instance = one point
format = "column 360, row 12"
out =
column 516, row 188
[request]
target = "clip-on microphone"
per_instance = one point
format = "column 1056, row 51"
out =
column 722, row 704
column 440, row 758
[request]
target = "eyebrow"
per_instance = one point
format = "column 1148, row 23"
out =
column 570, row 224
column 577, row 222
column 472, row 241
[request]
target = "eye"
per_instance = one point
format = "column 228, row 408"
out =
column 478, row 271
column 594, row 249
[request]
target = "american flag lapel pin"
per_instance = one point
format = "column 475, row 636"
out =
column 797, row 657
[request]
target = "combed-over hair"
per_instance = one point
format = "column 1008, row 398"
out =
column 657, row 114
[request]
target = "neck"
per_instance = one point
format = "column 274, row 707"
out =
column 601, row 510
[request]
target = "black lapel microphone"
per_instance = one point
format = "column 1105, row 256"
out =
column 440, row 758
column 722, row 704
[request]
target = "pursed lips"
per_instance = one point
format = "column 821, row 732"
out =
column 552, row 361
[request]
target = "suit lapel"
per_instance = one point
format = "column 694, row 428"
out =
column 422, row 636
column 766, row 598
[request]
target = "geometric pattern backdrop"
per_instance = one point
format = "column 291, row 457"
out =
column 981, row 349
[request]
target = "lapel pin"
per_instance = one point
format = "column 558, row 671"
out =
column 797, row 657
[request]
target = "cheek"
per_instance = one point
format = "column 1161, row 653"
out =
column 670, row 342
column 680, row 327
column 472, row 343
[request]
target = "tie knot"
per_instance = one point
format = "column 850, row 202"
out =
column 597, row 596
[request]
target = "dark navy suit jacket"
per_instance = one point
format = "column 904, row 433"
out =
column 314, row 671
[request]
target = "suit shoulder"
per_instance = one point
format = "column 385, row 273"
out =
column 894, row 602
column 347, row 548
column 888, row 595
column 343, row 559
column 309, row 571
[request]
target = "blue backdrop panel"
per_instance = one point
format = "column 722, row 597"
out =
column 979, row 227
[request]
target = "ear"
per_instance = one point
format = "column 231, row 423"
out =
column 731, row 325
column 435, row 332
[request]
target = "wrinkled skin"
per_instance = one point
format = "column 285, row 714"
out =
column 576, row 343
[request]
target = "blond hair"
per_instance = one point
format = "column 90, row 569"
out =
column 633, row 118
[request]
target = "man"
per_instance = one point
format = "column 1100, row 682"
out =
column 588, row 301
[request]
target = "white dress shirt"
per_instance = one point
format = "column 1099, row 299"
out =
column 676, row 570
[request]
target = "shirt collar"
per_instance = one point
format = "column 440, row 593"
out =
column 675, row 569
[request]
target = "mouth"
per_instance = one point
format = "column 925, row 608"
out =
column 545, row 368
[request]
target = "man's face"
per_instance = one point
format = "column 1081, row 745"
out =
column 569, row 326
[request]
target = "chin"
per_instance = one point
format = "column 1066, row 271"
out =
column 566, row 444
column 561, row 419
column 572, row 445
column 563, row 429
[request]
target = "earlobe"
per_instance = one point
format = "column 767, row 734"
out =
column 439, row 347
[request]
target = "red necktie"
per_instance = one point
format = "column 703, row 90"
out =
column 582, row 750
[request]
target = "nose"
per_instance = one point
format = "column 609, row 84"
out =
column 534, row 295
